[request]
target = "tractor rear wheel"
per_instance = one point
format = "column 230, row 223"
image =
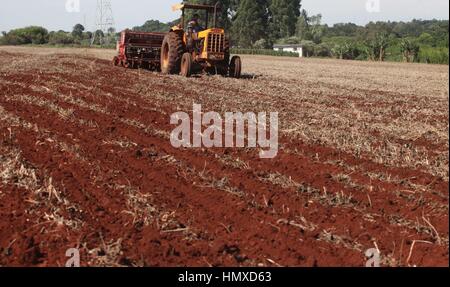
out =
column 171, row 53
column 186, row 65
column 235, row 67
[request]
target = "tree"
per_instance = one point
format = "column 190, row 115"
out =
column 382, row 42
column 317, row 30
column 98, row 37
column 310, row 28
column 250, row 24
column 88, row 35
column 410, row 50
column 261, row 44
column 426, row 39
column 302, row 26
column 28, row 35
column 111, row 31
column 283, row 17
column 345, row 29
column 60, row 38
column 153, row 26
column 77, row 31
column 347, row 51
column 99, row 33
column 339, row 50
column 376, row 48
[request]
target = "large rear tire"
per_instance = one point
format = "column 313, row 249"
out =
column 235, row 67
column 171, row 52
column 186, row 65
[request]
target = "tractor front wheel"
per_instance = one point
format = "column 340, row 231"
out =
column 171, row 53
column 235, row 67
column 186, row 65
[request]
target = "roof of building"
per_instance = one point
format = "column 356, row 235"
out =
column 287, row 45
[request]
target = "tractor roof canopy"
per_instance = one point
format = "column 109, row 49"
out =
column 183, row 6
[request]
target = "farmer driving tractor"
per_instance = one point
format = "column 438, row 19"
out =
column 194, row 24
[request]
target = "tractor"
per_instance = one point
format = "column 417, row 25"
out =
column 187, row 50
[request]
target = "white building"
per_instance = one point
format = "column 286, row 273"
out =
column 295, row 48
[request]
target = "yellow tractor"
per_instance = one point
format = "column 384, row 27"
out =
column 189, row 48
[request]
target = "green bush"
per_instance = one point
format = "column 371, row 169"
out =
column 261, row 44
column 322, row 50
column 432, row 55
column 60, row 38
column 266, row 52
column 409, row 50
column 29, row 35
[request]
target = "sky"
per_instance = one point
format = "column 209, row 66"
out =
column 63, row 14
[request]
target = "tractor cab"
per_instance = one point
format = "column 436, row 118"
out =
column 208, row 42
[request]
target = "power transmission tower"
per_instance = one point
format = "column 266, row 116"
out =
column 104, row 22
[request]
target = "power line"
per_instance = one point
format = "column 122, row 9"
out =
column 104, row 21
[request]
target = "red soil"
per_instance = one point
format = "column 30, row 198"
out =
column 217, row 214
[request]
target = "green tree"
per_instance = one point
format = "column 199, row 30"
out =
column 376, row 48
column 339, row 50
column 346, row 51
column 98, row 37
column 60, row 38
column 426, row 39
column 88, row 35
column 261, row 44
column 302, row 26
column 410, row 50
column 111, row 31
column 77, row 31
column 317, row 30
column 250, row 23
column 28, row 35
column 153, row 26
column 310, row 28
column 283, row 17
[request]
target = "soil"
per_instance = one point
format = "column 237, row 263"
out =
column 98, row 136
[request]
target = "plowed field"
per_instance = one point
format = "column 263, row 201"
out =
column 86, row 162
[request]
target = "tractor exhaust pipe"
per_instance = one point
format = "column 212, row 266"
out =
column 215, row 14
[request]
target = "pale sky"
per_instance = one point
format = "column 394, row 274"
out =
column 52, row 14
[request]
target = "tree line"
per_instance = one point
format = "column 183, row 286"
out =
column 36, row 35
column 256, row 25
